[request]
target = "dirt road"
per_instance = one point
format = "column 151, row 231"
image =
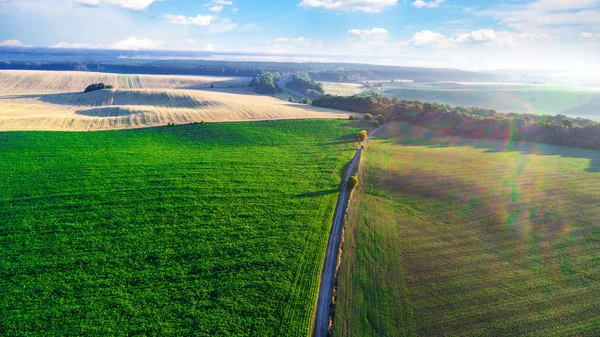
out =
column 321, row 325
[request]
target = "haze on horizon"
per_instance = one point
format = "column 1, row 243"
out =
column 501, row 34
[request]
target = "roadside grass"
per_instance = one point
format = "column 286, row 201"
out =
column 460, row 237
column 194, row 230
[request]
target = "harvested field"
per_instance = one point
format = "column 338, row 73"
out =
column 13, row 82
column 31, row 100
column 343, row 89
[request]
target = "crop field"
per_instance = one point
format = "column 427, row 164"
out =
column 31, row 100
column 458, row 237
column 342, row 89
column 192, row 230
column 128, row 82
column 537, row 99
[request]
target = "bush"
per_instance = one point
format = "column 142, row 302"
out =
column 97, row 86
column 381, row 119
column 305, row 100
column 291, row 99
column 352, row 183
column 362, row 136
column 368, row 117
column 351, row 117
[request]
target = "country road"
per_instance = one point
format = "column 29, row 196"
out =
column 321, row 325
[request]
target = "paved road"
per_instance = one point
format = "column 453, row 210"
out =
column 321, row 326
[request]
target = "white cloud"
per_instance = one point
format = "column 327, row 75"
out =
column 134, row 43
column 368, row 32
column 547, row 15
column 216, row 9
column 428, row 38
column 65, row 45
column 209, row 47
column 587, row 35
column 222, row 25
column 130, row 43
column 235, row 10
column 14, row 43
column 199, row 20
column 223, row 2
column 370, row 6
column 426, row 4
column 134, row 5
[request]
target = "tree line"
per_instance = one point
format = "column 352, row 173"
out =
column 475, row 122
column 109, row 61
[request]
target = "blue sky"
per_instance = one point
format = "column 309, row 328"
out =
column 544, row 34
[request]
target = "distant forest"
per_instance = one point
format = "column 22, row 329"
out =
column 330, row 72
column 475, row 122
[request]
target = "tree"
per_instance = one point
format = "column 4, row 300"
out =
column 368, row 117
column 291, row 99
column 381, row 119
column 97, row 86
column 351, row 117
column 362, row 136
column 352, row 182
column 264, row 84
column 305, row 100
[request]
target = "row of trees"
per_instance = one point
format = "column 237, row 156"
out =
column 117, row 62
column 475, row 122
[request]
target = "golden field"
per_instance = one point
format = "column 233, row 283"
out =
column 44, row 100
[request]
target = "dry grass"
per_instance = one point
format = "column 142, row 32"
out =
column 32, row 100
column 13, row 82
column 342, row 89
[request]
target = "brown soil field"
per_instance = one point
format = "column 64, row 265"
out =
column 44, row 100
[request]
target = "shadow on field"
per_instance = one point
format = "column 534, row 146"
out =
column 103, row 98
column 317, row 193
column 418, row 136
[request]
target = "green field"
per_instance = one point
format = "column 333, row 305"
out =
column 536, row 99
column 205, row 230
column 456, row 237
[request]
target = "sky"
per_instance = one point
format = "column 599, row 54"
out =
column 494, row 34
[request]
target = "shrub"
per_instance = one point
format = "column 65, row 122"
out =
column 291, row 99
column 352, row 182
column 97, row 86
column 351, row 117
column 381, row 119
column 305, row 100
column 368, row 117
column 362, row 136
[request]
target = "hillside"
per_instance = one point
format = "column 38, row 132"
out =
column 453, row 236
column 55, row 101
